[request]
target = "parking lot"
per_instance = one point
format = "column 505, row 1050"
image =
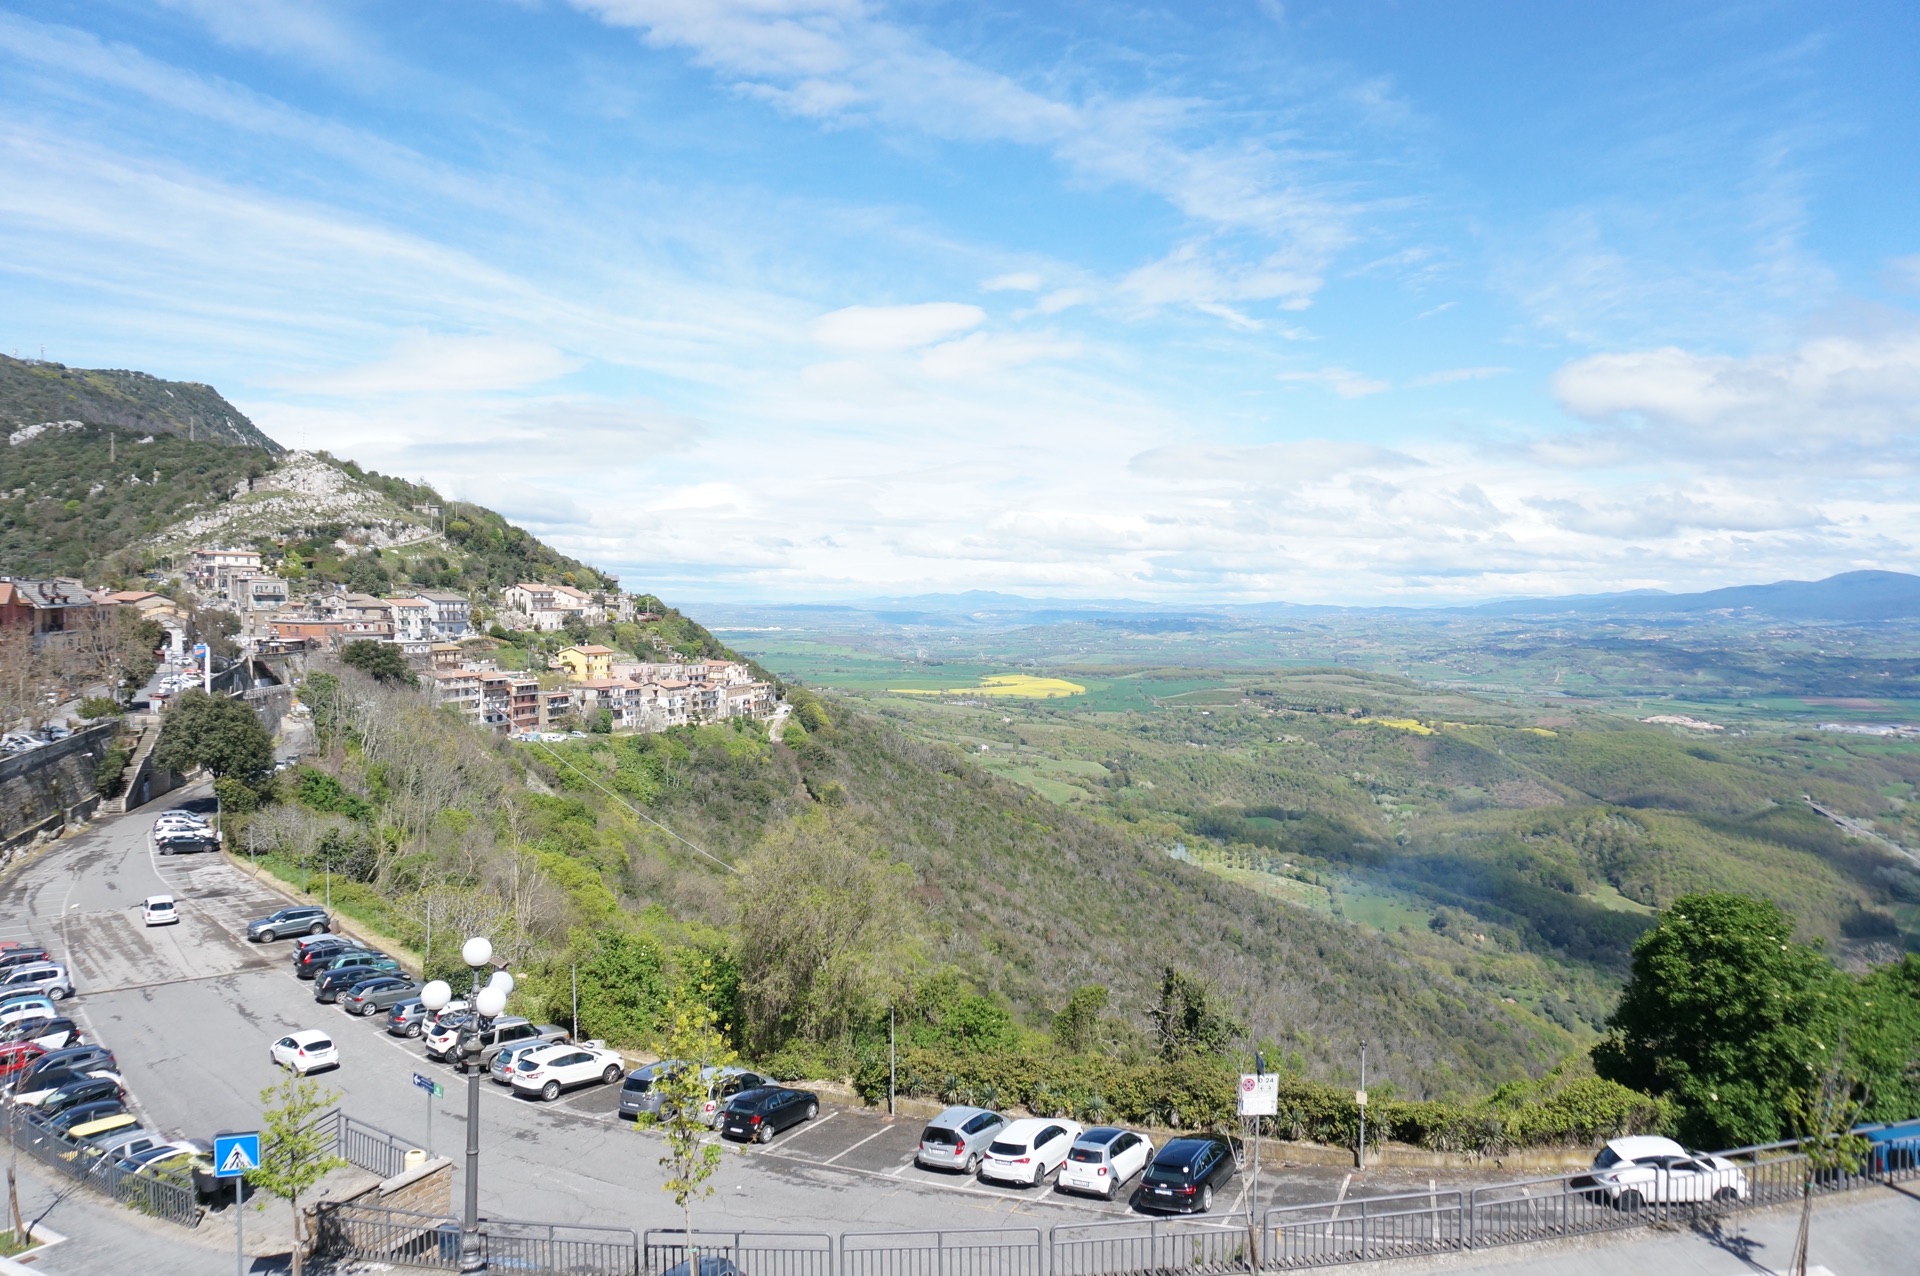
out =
column 191, row 1008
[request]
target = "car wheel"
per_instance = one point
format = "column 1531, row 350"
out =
column 550, row 1091
column 1726, row 1195
column 1629, row 1201
column 611, row 1075
column 766, row 1133
column 318, row 928
column 413, row 1030
column 1039, row 1174
column 166, row 850
column 973, row 1164
column 813, row 1110
column 1206, row 1198
column 1113, row 1188
column 367, row 1010
column 267, row 937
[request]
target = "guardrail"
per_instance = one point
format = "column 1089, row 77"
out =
column 164, row 1198
column 372, row 1149
column 1287, row 1238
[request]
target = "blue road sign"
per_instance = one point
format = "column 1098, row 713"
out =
column 235, row 1154
column 428, row 1084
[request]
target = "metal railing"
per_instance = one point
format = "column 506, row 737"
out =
column 374, row 1150
column 1007, row 1251
column 1202, row 1245
column 1362, row 1230
column 171, row 1199
column 563, row 1249
column 376, row 1234
column 761, row 1253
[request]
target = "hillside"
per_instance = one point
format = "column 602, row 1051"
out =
column 33, row 392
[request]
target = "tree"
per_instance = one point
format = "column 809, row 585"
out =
column 294, row 1155
column 1723, row 1012
column 1077, row 1022
column 575, row 627
column 113, row 646
column 1185, row 1021
column 26, row 676
column 694, row 1039
column 219, row 733
column 825, row 928
column 1824, row 1109
column 623, row 984
column 380, row 661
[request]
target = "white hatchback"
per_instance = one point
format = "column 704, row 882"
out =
column 158, row 910
column 1103, row 1160
column 305, row 1051
column 1028, row 1150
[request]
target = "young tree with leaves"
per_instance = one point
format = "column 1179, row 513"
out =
column 380, row 661
column 294, row 1156
column 1185, row 1021
column 219, row 733
column 696, row 1042
column 1824, row 1110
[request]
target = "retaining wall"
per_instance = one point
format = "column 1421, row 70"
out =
column 46, row 789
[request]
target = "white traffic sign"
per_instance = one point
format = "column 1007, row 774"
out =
column 1360, row 1097
column 1260, row 1094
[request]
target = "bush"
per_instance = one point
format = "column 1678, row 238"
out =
column 93, row 708
column 111, row 770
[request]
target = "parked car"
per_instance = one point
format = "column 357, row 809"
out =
column 1185, row 1174
column 14, row 999
column 158, row 910
column 501, row 1069
column 296, row 919
column 81, row 1057
column 49, row 1034
column 1028, row 1150
column 958, row 1138
column 17, row 1059
column 305, row 1051
column 757, row 1115
column 348, row 971
column 639, row 1095
column 108, row 1146
column 83, row 1116
column 406, row 1018
column 317, row 960
column 23, row 957
column 1103, row 1160
column 443, row 1039
column 371, row 996
column 562, row 1067
column 1638, row 1170
column 43, row 1085
column 184, row 841
column 105, row 1125
column 36, row 1008
column 46, row 976
column 80, row 1090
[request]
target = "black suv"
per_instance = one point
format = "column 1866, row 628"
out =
column 319, row 958
column 297, row 919
column 1186, row 1173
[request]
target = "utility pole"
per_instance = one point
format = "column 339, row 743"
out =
column 891, row 1064
column 576, row 1001
column 1360, row 1098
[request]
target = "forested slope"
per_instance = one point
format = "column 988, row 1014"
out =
column 32, row 392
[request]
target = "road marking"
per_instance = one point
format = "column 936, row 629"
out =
column 862, row 1143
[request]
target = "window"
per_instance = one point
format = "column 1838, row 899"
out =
column 981, row 1122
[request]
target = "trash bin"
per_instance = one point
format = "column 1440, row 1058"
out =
column 415, row 1158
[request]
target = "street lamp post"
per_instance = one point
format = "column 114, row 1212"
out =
column 487, row 1002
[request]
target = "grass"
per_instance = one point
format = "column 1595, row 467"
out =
column 1017, row 686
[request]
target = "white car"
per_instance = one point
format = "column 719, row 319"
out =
column 305, row 1051
column 1646, row 1169
column 1028, row 1150
column 1103, row 1160
column 547, row 1072
column 158, row 910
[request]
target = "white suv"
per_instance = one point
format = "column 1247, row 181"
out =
column 547, row 1072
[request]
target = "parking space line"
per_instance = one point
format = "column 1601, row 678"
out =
column 811, row 1126
column 862, row 1143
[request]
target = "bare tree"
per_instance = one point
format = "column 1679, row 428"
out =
column 27, row 675
column 1824, row 1114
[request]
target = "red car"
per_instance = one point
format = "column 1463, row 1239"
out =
column 16, row 1058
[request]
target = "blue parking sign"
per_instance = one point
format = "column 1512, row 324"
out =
column 235, row 1154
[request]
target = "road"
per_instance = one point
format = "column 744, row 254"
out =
column 191, row 1008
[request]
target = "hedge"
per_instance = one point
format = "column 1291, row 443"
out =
column 1558, row 1111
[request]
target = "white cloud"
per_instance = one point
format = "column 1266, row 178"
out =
column 980, row 353
column 1018, row 281
column 1265, row 464
column 1837, row 396
column 1451, row 375
column 1344, row 382
column 883, row 328
column 430, row 362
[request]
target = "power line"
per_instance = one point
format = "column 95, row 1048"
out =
column 631, row 807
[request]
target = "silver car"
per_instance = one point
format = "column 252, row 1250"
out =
column 639, row 1096
column 41, row 976
column 958, row 1138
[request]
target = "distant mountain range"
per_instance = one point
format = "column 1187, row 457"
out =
column 1850, row 597
column 34, row 392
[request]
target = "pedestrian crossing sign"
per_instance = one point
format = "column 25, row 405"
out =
column 235, row 1154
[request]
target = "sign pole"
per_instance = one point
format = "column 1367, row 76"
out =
column 233, row 1155
column 239, row 1231
column 1360, row 1098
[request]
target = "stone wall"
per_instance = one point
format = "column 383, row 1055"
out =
column 46, row 789
column 271, row 704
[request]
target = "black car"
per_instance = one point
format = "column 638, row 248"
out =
column 65, row 1029
column 80, row 1114
column 407, row 1018
column 74, row 1058
column 1187, row 1172
column 298, row 919
column 758, row 1115
column 23, row 957
column 79, row 1092
column 351, row 970
column 319, row 957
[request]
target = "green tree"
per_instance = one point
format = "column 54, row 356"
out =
column 1076, row 1024
column 1725, row 1013
column 1185, row 1022
column 294, row 1156
column 219, row 733
column 380, row 661
column 623, row 985
column 695, row 1040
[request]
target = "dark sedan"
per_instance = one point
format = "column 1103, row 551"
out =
column 758, row 1115
column 75, row 1058
column 330, row 983
column 371, row 996
column 319, row 958
column 78, row 1115
column 79, row 1092
column 1186, row 1173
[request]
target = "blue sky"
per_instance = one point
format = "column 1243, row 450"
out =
column 805, row 299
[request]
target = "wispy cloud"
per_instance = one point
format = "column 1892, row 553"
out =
column 1451, row 376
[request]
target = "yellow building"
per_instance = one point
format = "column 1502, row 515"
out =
column 589, row 663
